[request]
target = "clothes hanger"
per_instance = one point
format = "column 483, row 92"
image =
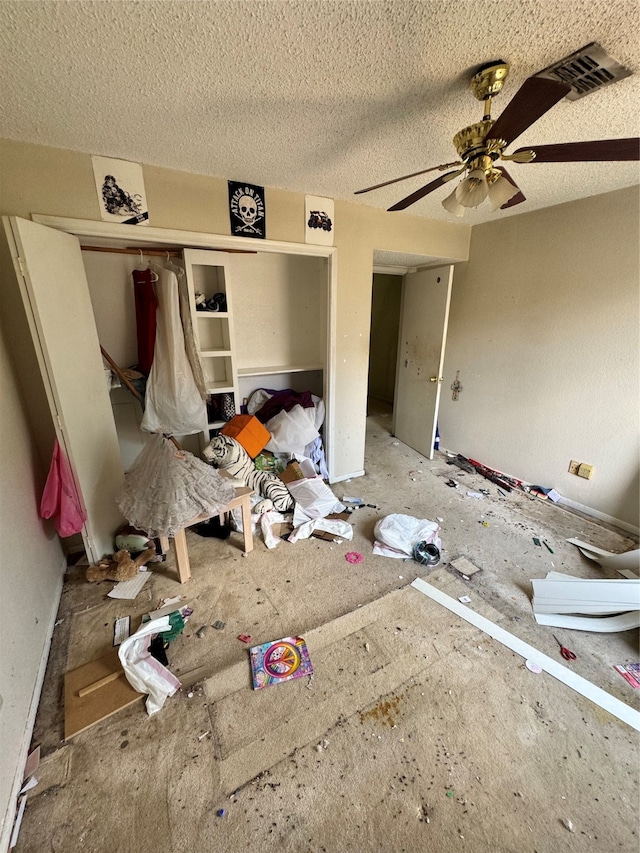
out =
column 143, row 267
column 154, row 274
column 173, row 267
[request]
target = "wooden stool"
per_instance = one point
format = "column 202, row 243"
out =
column 242, row 500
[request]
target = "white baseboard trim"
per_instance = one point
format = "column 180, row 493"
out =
column 601, row 516
column 344, row 477
column 586, row 510
column 7, row 826
column 576, row 682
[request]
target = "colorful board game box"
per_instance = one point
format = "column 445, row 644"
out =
column 279, row 660
column 630, row 672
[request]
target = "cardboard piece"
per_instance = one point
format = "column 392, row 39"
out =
column 105, row 691
column 324, row 534
column 32, row 763
column 281, row 529
column 249, row 432
column 291, row 473
column 464, row 566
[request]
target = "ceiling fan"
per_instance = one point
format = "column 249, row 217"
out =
column 480, row 146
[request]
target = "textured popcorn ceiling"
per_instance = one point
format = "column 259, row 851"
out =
column 317, row 97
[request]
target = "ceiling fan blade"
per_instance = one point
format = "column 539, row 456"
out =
column 412, row 175
column 582, row 152
column 518, row 198
column 423, row 191
column 530, row 102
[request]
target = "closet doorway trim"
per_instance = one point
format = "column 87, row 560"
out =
column 132, row 235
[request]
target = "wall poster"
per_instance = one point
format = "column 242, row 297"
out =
column 319, row 220
column 247, row 210
column 120, row 188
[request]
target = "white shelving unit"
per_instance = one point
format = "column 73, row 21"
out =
column 283, row 368
column 208, row 273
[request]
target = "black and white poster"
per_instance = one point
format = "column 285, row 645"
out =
column 120, row 188
column 319, row 220
column 246, row 210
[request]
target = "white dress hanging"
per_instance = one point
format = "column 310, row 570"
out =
column 173, row 404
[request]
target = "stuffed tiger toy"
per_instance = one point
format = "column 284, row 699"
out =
column 227, row 453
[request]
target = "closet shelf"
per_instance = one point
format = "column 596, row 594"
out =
column 271, row 370
column 211, row 315
column 215, row 353
column 220, row 388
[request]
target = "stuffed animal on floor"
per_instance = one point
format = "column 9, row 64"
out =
column 120, row 567
column 227, row 453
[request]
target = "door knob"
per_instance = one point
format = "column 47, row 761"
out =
column 436, row 379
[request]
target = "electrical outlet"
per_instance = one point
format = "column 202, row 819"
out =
column 573, row 466
column 585, row 471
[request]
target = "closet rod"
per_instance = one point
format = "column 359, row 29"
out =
column 173, row 253
column 159, row 253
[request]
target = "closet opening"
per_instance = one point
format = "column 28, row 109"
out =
column 267, row 331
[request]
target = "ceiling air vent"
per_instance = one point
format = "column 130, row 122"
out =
column 586, row 70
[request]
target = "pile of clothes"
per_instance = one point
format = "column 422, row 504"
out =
column 294, row 419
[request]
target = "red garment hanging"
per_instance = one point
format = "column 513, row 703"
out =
column 146, row 305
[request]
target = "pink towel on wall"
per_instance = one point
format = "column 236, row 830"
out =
column 60, row 499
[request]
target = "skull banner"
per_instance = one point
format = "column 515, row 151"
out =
column 247, row 210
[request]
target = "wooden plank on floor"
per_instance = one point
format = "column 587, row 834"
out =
column 82, row 712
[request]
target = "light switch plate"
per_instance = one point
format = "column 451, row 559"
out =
column 585, row 471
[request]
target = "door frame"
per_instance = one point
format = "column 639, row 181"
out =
column 131, row 235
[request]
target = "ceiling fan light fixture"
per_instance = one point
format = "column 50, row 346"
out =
column 451, row 204
column 500, row 192
column 473, row 190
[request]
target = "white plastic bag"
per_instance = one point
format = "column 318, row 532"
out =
column 267, row 519
column 396, row 535
column 144, row 673
column 314, row 497
column 341, row 529
column 292, row 431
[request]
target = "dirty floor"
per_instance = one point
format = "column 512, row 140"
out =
column 416, row 732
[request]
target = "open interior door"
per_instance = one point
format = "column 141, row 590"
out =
column 53, row 285
column 424, row 316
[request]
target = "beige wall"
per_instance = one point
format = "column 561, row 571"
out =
column 279, row 303
column 31, row 571
column 37, row 179
column 544, row 331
